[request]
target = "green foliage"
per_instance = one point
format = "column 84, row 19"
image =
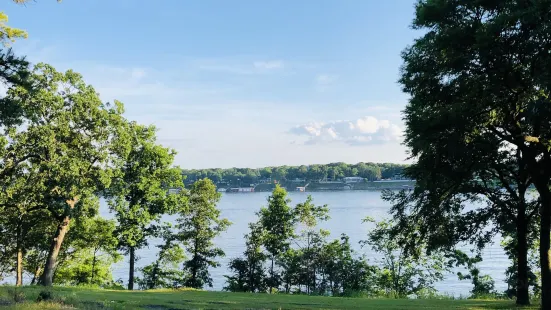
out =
column 479, row 82
column 9, row 34
column 90, row 249
column 509, row 245
column 307, row 263
column 246, row 176
column 249, row 272
column 483, row 285
column 165, row 271
column 139, row 194
column 197, row 227
column 57, row 161
column 403, row 274
column 83, row 268
column 342, row 273
column 277, row 220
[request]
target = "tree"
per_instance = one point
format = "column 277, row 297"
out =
column 21, row 216
column 249, row 272
column 140, row 194
column 482, row 70
column 165, row 271
column 510, row 246
column 494, row 181
column 482, row 284
column 402, row 274
column 308, row 215
column 342, row 272
column 197, row 229
column 277, row 220
column 67, row 140
column 97, row 236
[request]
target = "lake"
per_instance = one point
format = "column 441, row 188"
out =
column 347, row 209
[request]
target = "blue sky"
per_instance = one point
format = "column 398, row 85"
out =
column 241, row 83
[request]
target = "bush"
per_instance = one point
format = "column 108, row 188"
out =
column 45, row 295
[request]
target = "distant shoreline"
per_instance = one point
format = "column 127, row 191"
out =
column 324, row 187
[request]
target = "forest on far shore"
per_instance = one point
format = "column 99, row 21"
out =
column 332, row 171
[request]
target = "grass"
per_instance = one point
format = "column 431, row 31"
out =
column 81, row 298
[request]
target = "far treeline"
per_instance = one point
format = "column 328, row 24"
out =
column 332, row 171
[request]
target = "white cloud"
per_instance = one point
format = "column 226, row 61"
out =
column 268, row 65
column 138, row 73
column 363, row 131
column 326, row 79
column 239, row 66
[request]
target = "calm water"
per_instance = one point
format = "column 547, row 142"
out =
column 347, row 209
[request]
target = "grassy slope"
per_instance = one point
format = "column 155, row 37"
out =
column 67, row 298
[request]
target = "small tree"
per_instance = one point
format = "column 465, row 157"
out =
column 310, row 240
column 482, row 284
column 401, row 274
column 343, row 273
column 277, row 220
column 249, row 272
column 96, row 237
column 197, row 229
column 165, row 271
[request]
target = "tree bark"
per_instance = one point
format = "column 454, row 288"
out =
column 131, row 270
column 36, row 276
column 47, row 276
column 523, row 297
column 272, row 277
column 93, row 266
column 195, row 265
column 19, row 263
column 545, row 250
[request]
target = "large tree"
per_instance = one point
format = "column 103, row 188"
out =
column 140, row 192
column 481, row 71
column 65, row 134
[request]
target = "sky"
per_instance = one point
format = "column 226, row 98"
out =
column 241, row 83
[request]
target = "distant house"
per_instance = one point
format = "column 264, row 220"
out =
column 353, row 179
column 240, row 190
column 297, row 180
column 399, row 176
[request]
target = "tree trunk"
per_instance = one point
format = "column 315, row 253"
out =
column 93, row 266
column 545, row 250
column 251, row 271
column 36, row 276
column 194, row 267
column 523, row 297
column 131, row 269
column 272, row 276
column 19, row 263
column 47, row 276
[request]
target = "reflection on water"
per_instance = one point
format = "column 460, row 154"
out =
column 347, row 209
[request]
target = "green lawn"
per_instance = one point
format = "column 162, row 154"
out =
column 80, row 298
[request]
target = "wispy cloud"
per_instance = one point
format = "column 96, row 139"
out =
column 323, row 82
column 268, row 65
column 241, row 67
column 326, row 79
column 364, row 131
